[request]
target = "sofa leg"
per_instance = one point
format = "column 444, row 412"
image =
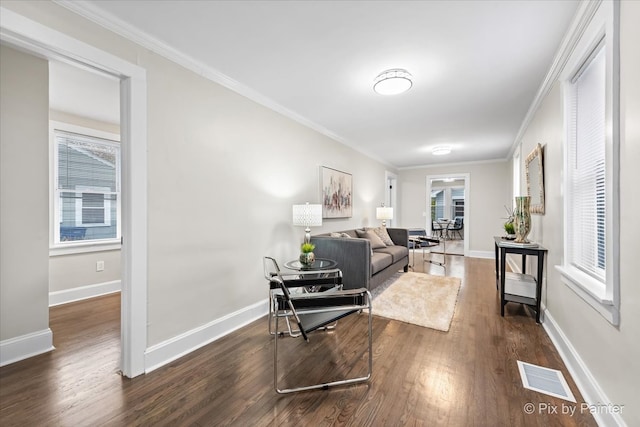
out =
column 406, row 268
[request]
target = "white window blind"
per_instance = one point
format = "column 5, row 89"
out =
column 586, row 167
column 87, row 188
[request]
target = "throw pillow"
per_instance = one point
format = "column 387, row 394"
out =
column 383, row 234
column 370, row 235
column 335, row 235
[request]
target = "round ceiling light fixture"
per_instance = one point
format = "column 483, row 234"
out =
column 392, row 82
column 441, row 150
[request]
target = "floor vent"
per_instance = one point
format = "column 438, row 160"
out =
column 545, row 380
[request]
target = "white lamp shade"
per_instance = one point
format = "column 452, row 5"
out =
column 307, row 215
column 384, row 213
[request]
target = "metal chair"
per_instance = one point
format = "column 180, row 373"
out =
column 456, row 226
column 314, row 311
column 436, row 229
column 303, row 281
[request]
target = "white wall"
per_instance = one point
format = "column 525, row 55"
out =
column 24, row 195
column 608, row 354
column 489, row 191
column 223, row 173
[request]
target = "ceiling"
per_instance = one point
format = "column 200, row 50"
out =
column 476, row 65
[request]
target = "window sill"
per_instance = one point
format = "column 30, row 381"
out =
column 591, row 291
column 86, row 247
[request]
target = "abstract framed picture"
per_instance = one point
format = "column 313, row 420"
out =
column 337, row 193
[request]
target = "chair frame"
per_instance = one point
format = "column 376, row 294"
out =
column 334, row 305
column 454, row 229
column 307, row 280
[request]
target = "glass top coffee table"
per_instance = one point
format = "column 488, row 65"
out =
column 320, row 264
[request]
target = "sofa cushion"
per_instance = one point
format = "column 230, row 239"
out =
column 380, row 261
column 370, row 235
column 383, row 234
column 396, row 252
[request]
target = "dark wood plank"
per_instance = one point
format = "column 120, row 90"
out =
column 467, row 376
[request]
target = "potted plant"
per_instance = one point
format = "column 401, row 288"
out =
column 509, row 226
column 307, row 257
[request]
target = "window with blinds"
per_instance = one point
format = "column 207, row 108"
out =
column 457, row 202
column 591, row 196
column 586, row 166
column 87, row 188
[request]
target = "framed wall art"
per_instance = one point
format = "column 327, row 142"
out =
column 337, row 193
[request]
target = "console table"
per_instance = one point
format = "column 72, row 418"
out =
column 519, row 287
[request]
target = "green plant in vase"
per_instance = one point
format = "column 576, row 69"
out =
column 509, row 226
column 307, row 257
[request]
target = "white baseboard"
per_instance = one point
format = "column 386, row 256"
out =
column 165, row 352
column 589, row 387
column 25, row 346
column 83, row 292
column 481, row 254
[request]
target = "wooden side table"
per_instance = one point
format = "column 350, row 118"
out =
column 519, row 287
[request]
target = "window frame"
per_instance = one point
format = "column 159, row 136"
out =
column 57, row 247
column 603, row 296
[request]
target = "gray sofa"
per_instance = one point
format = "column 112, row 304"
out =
column 354, row 257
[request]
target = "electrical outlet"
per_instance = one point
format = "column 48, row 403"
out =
column 99, row 265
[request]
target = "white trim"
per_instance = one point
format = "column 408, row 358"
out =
column 29, row 35
column 482, row 254
column 584, row 379
column 581, row 284
column 83, row 292
column 439, row 165
column 26, row 346
column 167, row 351
column 87, row 247
column 583, row 16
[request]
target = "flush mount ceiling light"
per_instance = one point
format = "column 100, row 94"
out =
column 441, row 150
column 392, row 82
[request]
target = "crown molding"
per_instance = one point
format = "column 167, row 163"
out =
column 112, row 23
column 584, row 14
column 440, row 165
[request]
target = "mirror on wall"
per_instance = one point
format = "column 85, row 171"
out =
column 535, row 180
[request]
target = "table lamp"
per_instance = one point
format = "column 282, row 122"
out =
column 307, row 216
column 384, row 213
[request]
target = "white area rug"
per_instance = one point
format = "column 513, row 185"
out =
column 418, row 298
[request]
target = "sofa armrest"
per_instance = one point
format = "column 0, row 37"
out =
column 352, row 255
column 400, row 236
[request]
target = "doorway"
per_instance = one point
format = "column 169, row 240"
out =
column 390, row 194
column 447, row 207
column 36, row 39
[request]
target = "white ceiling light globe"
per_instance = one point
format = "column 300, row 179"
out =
column 441, row 150
column 392, row 82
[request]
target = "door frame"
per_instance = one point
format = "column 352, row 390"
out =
column 467, row 203
column 37, row 39
column 391, row 195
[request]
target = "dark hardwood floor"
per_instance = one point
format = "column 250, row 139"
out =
column 465, row 377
